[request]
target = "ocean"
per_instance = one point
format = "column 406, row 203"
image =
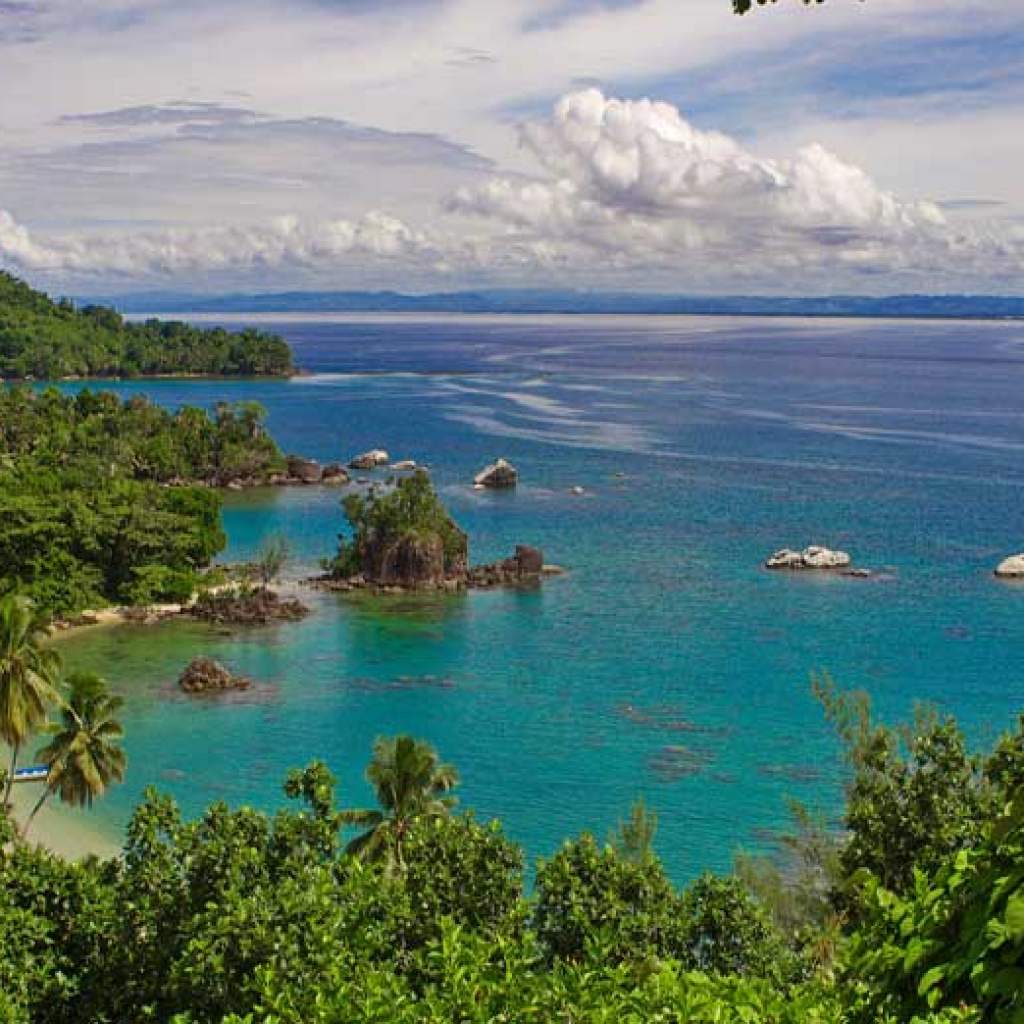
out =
column 666, row 663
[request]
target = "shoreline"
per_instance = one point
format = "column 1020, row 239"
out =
column 153, row 614
column 71, row 833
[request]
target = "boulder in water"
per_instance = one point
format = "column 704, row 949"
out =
column 1011, row 568
column 334, row 475
column 813, row 557
column 308, row 471
column 371, row 459
column 204, row 675
column 529, row 560
column 499, row 474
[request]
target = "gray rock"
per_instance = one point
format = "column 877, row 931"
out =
column 371, row 459
column 813, row 557
column 499, row 474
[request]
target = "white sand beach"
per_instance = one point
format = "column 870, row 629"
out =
column 71, row 833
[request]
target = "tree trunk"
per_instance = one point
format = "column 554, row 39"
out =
column 10, row 775
column 35, row 810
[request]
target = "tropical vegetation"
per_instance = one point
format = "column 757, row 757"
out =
column 410, row 783
column 49, row 340
column 84, row 757
column 97, row 495
column 241, row 917
column 385, row 520
column 28, row 677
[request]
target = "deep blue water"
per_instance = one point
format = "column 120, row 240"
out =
column 703, row 445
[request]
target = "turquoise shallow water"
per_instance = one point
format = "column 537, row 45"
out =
column 666, row 662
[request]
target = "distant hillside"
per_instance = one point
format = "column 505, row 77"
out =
column 46, row 339
column 529, row 301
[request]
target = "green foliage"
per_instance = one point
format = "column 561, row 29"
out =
column 587, row 893
column 633, row 840
column 246, row 918
column 86, row 519
column 28, row 672
column 956, row 939
column 728, row 932
column 47, row 340
column 410, row 782
column 271, row 559
column 85, row 756
column 916, row 796
column 411, row 509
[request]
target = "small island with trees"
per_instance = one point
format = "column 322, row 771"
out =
column 45, row 340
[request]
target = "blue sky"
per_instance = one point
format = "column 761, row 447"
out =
column 853, row 146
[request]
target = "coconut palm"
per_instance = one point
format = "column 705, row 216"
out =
column 28, row 671
column 410, row 782
column 84, row 756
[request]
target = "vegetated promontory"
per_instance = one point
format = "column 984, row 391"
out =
column 43, row 339
column 108, row 501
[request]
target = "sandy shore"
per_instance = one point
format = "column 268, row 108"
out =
column 69, row 832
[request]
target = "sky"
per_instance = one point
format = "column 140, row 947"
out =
column 857, row 146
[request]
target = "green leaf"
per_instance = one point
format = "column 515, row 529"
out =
column 931, row 978
column 1014, row 917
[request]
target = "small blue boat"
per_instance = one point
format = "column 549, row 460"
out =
column 36, row 773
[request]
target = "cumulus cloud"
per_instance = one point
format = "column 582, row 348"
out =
column 627, row 194
column 638, row 183
column 284, row 241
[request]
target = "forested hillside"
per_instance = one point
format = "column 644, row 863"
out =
column 49, row 340
column 88, row 516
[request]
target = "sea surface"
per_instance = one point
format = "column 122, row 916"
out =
column 667, row 663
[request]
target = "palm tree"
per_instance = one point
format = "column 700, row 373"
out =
column 27, row 674
column 85, row 755
column 410, row 782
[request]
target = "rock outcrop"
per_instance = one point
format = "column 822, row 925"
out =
column 526, row 565
column 247, row 606
column 370, row 460
column 418, row 564
column 812, row 557
column 334, row 475
column 1011, row 568
column 204, row 675
column 307, row 471
column 499, row 474
column 404, row 466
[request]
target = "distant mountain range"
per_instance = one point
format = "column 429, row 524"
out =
column 531, row 301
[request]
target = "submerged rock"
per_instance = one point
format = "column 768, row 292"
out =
column 813, row 557
column 204, row 675
column 499, row 474
column 1011, row 568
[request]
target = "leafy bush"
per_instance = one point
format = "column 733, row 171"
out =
column 586, row 891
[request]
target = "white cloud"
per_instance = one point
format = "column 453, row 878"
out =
column 633, row 182
column 282, row 242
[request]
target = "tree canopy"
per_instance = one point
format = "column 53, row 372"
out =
column 48, row 340
column 96, row 496
column 243, row 917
